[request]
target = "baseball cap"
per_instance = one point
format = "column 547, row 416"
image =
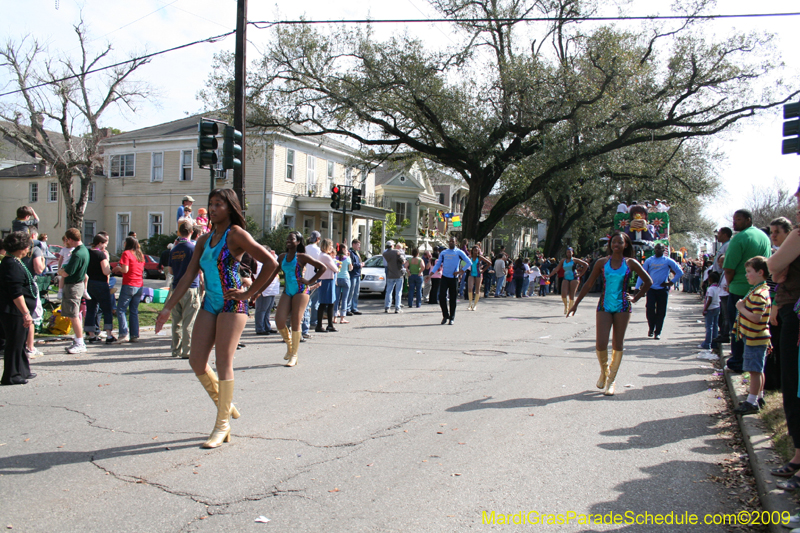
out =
column 314, row 237
column 187, row 198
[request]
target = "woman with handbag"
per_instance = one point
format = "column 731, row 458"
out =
column 19, row 303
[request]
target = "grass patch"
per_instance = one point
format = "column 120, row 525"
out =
column 773, row 416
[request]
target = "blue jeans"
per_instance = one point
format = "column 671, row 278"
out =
column 712, row 328
column 342, row 294
column 462, row 286
column 101, row 297
column 415, row 290
column 525, row 282
column 263, row 307
column 393, row 285
column 500, row 283
column 355, row 287
column 129, row 298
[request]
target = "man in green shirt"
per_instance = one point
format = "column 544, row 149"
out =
column 747, row 243
column 74, row 273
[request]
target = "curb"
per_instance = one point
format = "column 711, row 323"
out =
column 761, row 453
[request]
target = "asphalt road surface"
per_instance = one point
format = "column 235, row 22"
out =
column 395, row 423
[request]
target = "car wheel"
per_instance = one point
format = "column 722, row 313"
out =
column 148, row 299
column 146, row 274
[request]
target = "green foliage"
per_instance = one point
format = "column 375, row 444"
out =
column 252, row 226
column 276, row 238
column 393, row 231
column 157, row 243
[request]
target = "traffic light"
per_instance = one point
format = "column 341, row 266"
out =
column 207, row 143
column 791, row 128
column 357, row 200
column 336, row 197
column 232, row 148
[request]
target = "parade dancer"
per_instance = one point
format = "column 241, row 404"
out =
column 615, row 306
column 294, row 299
column 223, row 315
column 569, row 285
column 449, row 263
column 475, row 276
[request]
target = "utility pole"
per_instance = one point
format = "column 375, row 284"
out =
column 239, row 108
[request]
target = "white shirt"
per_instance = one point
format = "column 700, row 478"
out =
column 622, row 208
column 712, row 294
column 274, row 288
column 313, row 251
column 534, row 273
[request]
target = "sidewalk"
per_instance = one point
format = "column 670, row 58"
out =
column 763, row 457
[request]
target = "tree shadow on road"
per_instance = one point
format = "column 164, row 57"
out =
column 648, row 392
column 657, row 433
column 38, row 462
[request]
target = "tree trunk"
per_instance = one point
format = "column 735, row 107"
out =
column 75, row 208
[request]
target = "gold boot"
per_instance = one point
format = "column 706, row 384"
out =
column 285, row 334
column 602, row 356
column 566, row 305
column 469, row 296
column 475, row 303
column 222, row 428
column 616, row 359
column 211, row 384
column 296, row 336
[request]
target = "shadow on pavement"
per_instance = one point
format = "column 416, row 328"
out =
column 656, row 433
column 38, row 462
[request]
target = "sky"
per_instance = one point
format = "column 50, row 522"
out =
column 752, row 153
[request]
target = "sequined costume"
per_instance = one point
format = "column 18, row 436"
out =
column 614, row 296
column 221, row 272
column 293, row 272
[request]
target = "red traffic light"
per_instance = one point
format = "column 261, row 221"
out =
column 335, row 189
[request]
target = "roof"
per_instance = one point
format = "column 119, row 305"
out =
column 188, row 127
column 26, row 170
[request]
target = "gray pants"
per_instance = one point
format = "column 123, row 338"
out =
column 183, row 315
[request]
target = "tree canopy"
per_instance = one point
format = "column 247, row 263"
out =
column 550, row 97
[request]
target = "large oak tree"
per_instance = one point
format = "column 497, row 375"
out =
column 550, row 95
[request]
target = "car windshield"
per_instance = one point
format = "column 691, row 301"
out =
column 375, row 261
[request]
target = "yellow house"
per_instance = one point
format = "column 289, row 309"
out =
column 287, row 182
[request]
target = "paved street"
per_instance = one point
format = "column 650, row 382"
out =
column 395, row 423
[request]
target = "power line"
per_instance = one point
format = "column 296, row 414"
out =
column 133, row 60
column 267, row 23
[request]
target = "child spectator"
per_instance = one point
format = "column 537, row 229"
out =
column 543, row 281
column 202, row 220
column 711, row 311
column 752, row 328
column 26, row 218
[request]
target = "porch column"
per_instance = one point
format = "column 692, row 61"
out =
column 330, row 225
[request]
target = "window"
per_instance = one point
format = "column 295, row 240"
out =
column 308, row 225
column 186, row 165
column 89, row 230
column 122, row 165
column 311, row 173
column 441, row 198
column 288, row 221
column 90, row 195
column 289, row 165
column 401, row 212
column 330, row 174
column 123, row 228
column 52, row 191
column 33, row 192
column 348, row 176
column 157, row 166
column 323, row 226
column 156, row 224
column 219, row 172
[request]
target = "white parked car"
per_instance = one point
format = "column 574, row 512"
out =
column 373, row 276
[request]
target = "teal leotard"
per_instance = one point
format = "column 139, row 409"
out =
column 569, row 270
column 476, row 270
column 614, row 297
column 221, row 271
column 292, row 272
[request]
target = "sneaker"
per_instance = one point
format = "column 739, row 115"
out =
column 123, row 338
column 77, row 348
column 92, row 340
column 134, row 339
column 385, row 309
column 657, row 337
column 306, row 336
column 397, row 310
column 103, row 335
column 356, row 312
column 349, row 313
column 33, row 354
column 761, row 403
column 111, row 339
column 746, row 408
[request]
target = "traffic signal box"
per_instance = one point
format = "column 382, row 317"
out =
column 791, row 128
column 207, row 143
column 336, row 197
column 232, row 148
column 357, row 200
